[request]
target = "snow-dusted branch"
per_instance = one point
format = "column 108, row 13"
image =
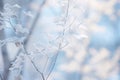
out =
column 67, row 21
column 36, row 68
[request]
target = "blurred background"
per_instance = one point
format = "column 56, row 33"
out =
column 92, row 43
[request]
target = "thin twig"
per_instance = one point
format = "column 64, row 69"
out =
column 53, row 64
column 67, row 12
column 24, row 50
column 31, row 28
column 60, row 44
column 26, row 40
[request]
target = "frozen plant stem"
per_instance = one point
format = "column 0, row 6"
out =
column 32, row 27
column 62, row 38
column 26, row 53
column 26, row 40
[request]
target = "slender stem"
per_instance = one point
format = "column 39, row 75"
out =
column 53, row 64
column 28, row 37
column 41, row 74
column 60, row 44
column 32, row 27
column 67, row 12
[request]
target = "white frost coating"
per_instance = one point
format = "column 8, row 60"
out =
column 18, row 62
column 19, row 29
column 29, row 13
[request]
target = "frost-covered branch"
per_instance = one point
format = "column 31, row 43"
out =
column 33, row 26
column 22, row 35
column 36, row 68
